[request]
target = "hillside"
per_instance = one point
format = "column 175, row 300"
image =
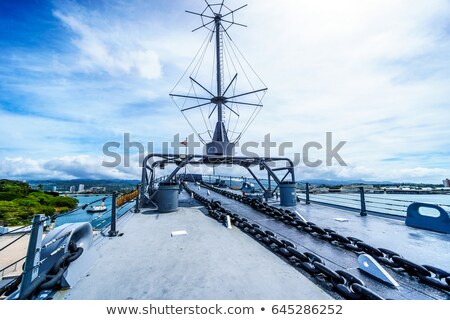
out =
column 19, row 202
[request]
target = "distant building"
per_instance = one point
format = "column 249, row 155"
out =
column 446, row 183
column 320, row 190
column 355, row 188
column 72, row 189
column 81, row 188
column 96, row 189
column 54, row 189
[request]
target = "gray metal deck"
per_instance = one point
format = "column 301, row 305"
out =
column 420, row 246
column 211, row 262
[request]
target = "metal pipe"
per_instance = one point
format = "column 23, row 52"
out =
column 136, row 208
column 278, row 185
column 147, row 182
column 257, row 180
column 363, row 202
column 113, row 230
column 219, row 74
column 307, row 194
column 182, row 164
column 170, row 157
column 280, row 169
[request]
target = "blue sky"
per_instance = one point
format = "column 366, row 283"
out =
column 77, row 74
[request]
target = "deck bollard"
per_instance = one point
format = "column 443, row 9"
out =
column 363, row 202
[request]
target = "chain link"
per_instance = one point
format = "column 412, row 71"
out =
column 438, row 278
column 341, row 281
column 48, row 280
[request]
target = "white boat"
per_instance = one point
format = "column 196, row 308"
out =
column 95, row 209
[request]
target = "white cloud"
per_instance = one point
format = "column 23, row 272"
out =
column 101, row 50
column 375, row 73
column 63, row 168
column 19, row 168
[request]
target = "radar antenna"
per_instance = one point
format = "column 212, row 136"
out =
column 217, row 18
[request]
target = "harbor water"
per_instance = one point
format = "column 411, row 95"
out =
column 98, row 220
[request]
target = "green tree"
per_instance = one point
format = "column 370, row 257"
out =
column 18, row 203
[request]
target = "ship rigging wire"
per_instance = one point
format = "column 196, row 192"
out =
column 227, row 102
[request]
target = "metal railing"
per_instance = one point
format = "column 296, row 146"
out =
column 20, row 232
column 95, row 222
column 357, row 200
column 26, row 228
column 109, row 218
column 10, row 268
column 361, row 200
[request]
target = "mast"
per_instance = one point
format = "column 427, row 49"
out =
column 220, row 134
column 219, row 47
column 218, row 18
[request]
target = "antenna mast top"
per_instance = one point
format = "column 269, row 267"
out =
column 218, row 18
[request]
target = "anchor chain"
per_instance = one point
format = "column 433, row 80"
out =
column 345, row 284
column 49, row 280
column 432, row 276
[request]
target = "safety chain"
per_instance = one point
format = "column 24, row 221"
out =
column 429, row 275
column 52, row 279
column 344, row 283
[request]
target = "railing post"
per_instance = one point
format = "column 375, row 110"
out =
column 113, row 232
column 141, row 194
column 363, row 202
column 31, row 267
column 307, row 193
column 268, row 192
column 136, row 208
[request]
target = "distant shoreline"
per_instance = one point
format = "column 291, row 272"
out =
column 87, row 194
